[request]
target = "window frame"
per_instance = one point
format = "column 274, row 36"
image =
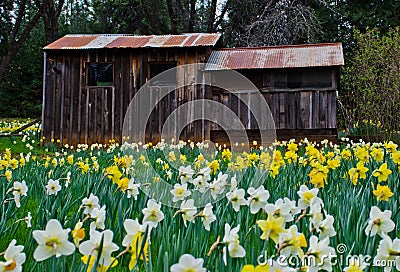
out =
column 99, row 62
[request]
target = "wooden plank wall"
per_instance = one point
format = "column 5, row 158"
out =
column 313, row 109
column 75, row 113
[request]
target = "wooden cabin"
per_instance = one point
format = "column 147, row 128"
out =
column 299, row 82
column 89, row 81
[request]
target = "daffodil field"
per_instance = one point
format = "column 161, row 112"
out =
column 289, row 207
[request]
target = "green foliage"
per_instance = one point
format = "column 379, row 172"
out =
column 21, row 89
column 371, row 81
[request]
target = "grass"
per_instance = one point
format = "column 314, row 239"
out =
column 348, row 203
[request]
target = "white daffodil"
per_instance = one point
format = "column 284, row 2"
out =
column 53, row 187
column 322, row 254
column 90, row 203
column 188, row 210
column 200, row 184
column 186, row 174
column 388, row 250
column 188, row 263
column 379, row 222
column 99, row 215
column 92, row 246
column 52, row 241
column 356, row 264
column 283, row 208
column 258, row 198
column 236, row 197
column 233, row 183
column 293, row 209
column 133, row 189
column 325, row 227
column 306, row 197
column 291, row 242
column 68, row 179
column 180, row 192
column 280, row 266
column 14, row 258
column 132, row 228
column 20, row 188
column 316, row 215
column 222, row 178
column 204, row 173
column 231, row 239
column 152, row 213
column 207, row 216
column 28, row 220
column 216, row 188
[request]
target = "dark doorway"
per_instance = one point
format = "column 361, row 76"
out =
column 167, row 79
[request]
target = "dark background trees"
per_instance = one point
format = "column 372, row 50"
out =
column 27, row 26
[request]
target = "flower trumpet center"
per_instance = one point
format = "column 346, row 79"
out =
column 52, row 243
column 377, row 222
column 308, row 196
column 11, row 265
column 180, row 192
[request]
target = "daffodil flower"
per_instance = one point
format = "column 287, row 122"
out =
column 90, row 203
column 92, row 246
column 258, row 198
column 52, row 241
column 188, row 263
column 14, row 258
column 379, row 222
column 152, row 213
column 388, row 250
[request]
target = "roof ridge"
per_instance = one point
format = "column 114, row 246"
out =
column 281, row 46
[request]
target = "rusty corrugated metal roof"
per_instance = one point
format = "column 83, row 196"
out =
column 289, row 56
column 131, row 41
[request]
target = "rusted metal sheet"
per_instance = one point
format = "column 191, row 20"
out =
column 291, row 56
column 130, row 41
column 70, row 41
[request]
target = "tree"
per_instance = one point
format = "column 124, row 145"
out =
column 50, row 11
column 275, row 22
column 371, row 81
column 158, row 16
column 19, row 18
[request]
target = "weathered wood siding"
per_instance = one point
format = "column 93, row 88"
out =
column 76, row 113
column 304, row 110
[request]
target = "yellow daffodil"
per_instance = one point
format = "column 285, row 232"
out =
column 346, row 154
column 100, row 268
column 226, row 154
column 272, row 227
column 390, row 146
column 214, row 166
column 382, row 193
column 292, row 146
column 258, row 268
column 113, row 173
column 377, row 154
column 359, row 172
column 382, row 173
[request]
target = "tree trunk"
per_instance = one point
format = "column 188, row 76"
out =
column 172, row 16
column 15, row 42
column 192, row 15
column 211, row 18
column 50, row 14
